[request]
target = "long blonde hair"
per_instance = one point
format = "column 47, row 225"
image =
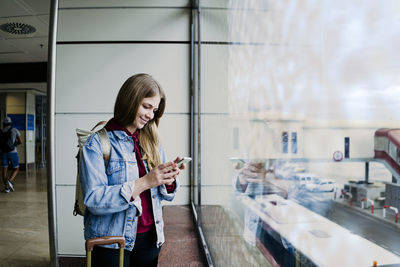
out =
column 129, row 98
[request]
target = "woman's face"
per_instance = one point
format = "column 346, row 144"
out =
column 146, row 111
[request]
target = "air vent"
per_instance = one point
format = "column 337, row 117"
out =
column 17, row 28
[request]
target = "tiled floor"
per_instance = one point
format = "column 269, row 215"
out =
column 24, row 237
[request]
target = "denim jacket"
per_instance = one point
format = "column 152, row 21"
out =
column 107, row 191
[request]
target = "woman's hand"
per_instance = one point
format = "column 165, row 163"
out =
column 162, row 174
column 182, row 167
column 252, row 172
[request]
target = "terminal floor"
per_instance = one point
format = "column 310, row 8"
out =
column 24, row 235
column 24, row 238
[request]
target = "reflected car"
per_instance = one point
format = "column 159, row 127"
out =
column 305, row 178
column 321, row 185
column 288, row 171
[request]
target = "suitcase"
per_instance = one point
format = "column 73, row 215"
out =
column 105, row 240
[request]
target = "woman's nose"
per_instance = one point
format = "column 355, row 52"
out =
column 150, row 115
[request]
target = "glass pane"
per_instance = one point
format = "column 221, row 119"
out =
column 299, row 162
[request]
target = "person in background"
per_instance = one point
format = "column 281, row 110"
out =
column 124, row 197
column 10, row 138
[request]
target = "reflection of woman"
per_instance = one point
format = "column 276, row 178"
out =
column 250, row 178
column 118, row 202
column 254, row 180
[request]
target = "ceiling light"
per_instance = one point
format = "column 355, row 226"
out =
column 17, row 28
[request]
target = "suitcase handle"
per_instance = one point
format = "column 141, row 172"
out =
column 105, row 240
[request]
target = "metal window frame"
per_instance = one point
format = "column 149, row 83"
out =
column 196, row 14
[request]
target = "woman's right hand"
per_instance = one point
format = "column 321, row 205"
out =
column 162, row 174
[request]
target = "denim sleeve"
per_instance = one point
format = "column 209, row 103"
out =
column 99, row 197
column 162, row 188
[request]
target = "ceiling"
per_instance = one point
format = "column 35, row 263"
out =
column 27, row 47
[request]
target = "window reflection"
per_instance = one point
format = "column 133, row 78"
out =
column 313, row 177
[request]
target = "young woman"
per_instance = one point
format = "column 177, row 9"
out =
column 124, row 197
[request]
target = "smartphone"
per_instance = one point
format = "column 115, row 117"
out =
column 183, row 161
column 239, row 162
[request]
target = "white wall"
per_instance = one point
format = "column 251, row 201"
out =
column 30, row 134
column 88, row 77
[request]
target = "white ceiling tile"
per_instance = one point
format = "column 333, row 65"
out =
column 19, row 58
column 44, row 18
column 36, row 7
column 10, row 8
column 35, row 46
column 7, row 47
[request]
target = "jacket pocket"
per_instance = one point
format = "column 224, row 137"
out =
column 115, row 172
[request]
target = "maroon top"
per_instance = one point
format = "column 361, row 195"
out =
column 146, row 220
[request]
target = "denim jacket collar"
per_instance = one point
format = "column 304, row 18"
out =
column 121, row 135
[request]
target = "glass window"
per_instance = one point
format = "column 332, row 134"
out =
column 347, row 147
column 294, row 142
column 393, row 151
column 325, row 71
column 285, row 143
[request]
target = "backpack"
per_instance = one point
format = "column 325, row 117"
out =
column 6, row 142
column 83, row 135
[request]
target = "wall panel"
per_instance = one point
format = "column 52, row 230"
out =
column 89, row 77
column 217, row 147
column 70, row 227
column 215, row 90
column 124, row 24
column 123, row 3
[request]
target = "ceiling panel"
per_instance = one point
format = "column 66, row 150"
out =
column 32, row 47
column 36, row 6
column 11, row 8
column 35, row 45
column 7, row 47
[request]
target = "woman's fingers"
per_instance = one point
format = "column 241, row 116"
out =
column 171, row 174
column 169, row 181
column 167, row 167
column 164, row 174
